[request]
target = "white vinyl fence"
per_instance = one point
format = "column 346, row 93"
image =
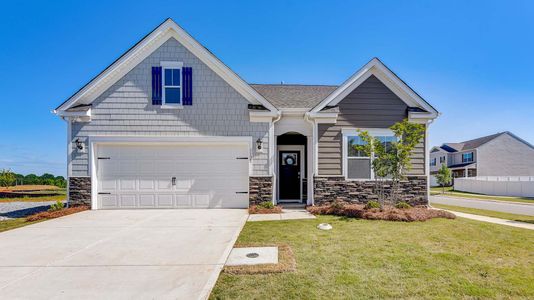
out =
column 519, row 186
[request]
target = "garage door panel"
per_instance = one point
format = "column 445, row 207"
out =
column 141, row 176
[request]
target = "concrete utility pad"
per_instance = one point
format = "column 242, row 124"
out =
column 119, row 254
column 253, row 256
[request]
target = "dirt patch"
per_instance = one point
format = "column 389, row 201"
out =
column 56, row 214
column 387, row 213
column 255, row 209
column 286, row 262
column 29, row 187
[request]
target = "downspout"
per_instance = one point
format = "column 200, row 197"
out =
column 311, row 183
column 272, row 151
column 427, row 162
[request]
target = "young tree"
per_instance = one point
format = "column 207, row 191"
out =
column 7, row 178
column 444, row 177
column 393, row 161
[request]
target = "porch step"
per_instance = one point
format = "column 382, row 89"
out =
column 293, row 205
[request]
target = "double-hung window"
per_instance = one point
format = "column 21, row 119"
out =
column 442, row 159
column 433, row 162
column 467, row 157
column 172, row 83
column 356, row 163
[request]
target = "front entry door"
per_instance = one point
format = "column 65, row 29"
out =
column 289, row 166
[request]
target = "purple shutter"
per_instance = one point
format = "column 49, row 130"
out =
column 187, row 96
column 156, row 86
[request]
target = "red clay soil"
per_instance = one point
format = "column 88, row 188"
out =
column 56, row 214
column 388, row 213
column 254, row 209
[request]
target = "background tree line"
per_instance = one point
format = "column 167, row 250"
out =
column 8, row 178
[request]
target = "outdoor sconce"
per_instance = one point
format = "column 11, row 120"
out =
column 258, row 145
column 79, row 145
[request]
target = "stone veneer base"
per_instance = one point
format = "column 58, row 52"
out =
column 329, row 189
column 79, row 191
column 260, row 189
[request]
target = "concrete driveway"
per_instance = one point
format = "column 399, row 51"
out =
column 119, row 254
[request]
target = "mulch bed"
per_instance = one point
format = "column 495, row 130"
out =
column 286, row 262
column 56, row 214
column 387, row 213
column 255, row 209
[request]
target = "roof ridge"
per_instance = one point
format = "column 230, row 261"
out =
column 294, row 84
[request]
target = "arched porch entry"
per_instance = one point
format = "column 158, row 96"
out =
column 292, row 168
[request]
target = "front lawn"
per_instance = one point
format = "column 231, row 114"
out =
column 15, row 223
column 439, row 258
column 488, row 213
column 449, row 192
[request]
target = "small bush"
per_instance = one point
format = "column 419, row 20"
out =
column 56, row 206
column 403, row 205
column 337, row 204
column 266, row 204
column 372, row 204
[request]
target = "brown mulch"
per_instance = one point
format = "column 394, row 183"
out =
column 254, row 209
column 388, row 213
column 56, row 214
column 286, row 262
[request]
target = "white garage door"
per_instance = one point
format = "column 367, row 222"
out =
column 172, row 176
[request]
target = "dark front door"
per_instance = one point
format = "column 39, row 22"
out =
column 289, row 166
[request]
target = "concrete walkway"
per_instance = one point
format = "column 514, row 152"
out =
column 119, row 254
column 287, row 214
column 493, row 220
column 502, row 206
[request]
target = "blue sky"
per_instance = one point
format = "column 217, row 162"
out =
column 472, row 60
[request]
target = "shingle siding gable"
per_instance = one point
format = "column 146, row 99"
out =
column 126, row 109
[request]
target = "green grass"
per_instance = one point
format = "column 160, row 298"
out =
column 488, row 213
column 15, row 223
column 60, row 197
column 435, row 191
column 445, row 259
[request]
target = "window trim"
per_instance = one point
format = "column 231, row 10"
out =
column 472, row 157
column 346, row 132
column 171, row 65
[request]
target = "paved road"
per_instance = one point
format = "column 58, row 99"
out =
column 502, row 206
column 119, row 254
column 9, row 210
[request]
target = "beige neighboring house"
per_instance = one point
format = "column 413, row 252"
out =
column 500, row 154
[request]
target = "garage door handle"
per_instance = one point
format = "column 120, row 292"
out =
column 104, row 193
column 241, row 158
column 241, row 192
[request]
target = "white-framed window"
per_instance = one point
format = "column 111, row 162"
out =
column 356, row 165
column 467, row 157
column 433, row 162
column 172, row 83
column 442, row 159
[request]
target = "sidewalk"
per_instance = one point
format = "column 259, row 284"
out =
column 493, row 220
column 287, row 214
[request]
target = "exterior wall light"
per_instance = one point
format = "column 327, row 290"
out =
column 258, row 144
column 79, row 145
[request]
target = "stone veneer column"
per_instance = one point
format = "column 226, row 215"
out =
column 260, row 189
column 328, row 189
column 79, row 191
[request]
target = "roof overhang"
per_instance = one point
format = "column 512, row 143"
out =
column 76, row 116
column 391, row 80
column 322, row 117
column 165, row 31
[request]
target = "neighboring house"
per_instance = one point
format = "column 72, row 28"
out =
column 169, row 125
column 501, row 154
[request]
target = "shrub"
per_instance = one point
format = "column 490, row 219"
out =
column 402, row 205
column 337, row 204
column 266, row 204
column 372, row 204
column 56, row 206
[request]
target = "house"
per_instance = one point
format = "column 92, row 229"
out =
column 168, row 125
column 500, row 154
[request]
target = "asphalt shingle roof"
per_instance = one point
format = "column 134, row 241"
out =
column 294, row 95
column 470, row 144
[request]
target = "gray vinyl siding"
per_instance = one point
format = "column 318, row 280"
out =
column 505, row 156
column 371, row 105
column 126, row 109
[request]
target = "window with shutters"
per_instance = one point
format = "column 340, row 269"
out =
column 172, row 83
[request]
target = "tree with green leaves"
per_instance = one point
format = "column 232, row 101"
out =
column 392, row 162
column 444, row 177
column 7, row 178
